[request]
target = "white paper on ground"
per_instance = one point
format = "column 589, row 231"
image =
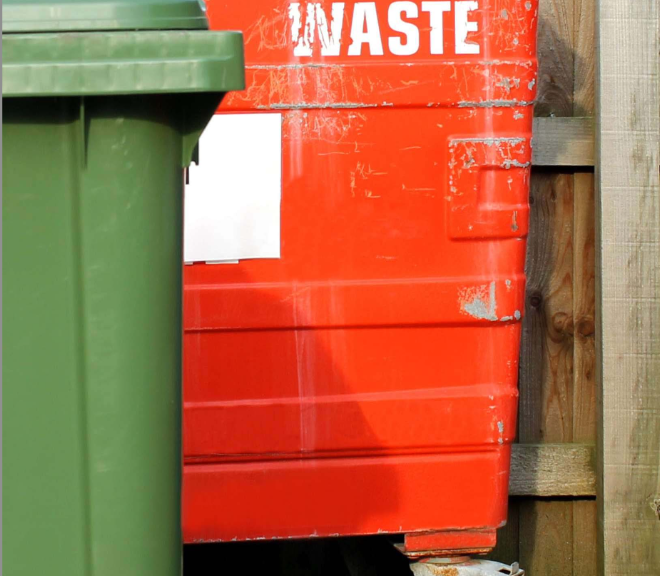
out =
column 232, row 201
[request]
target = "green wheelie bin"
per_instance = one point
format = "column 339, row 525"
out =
column 103, row 104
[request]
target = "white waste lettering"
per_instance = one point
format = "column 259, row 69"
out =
column 330, row 36
column 436, row 12
column 463, row 26
column 364, row 13
column 313, row 31
column 411, row 32
column 330, row 41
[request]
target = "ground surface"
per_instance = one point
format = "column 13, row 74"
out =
column 371, row 556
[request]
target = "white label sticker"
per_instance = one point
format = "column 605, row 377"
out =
column 232, row 200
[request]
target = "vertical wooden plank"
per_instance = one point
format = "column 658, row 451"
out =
column 584, row 57
column 584, row 363
column 546, row 352
column 584, row 398
column 584, row 281
column 547, row 347
column 546, row 382
column 628, row 287
column 555, row 54
column 546, row 549
column 584, row 538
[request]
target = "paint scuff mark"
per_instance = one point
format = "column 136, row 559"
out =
column 514, row 221
column 315, row 105
column 480, row 302
column 363, row 172
column 487, row 141
column 494, row 104
column 311, row 65
column 407, row 189
column 505, row 83
column 515, row 164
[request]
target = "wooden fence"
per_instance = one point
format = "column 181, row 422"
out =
column 585, row 492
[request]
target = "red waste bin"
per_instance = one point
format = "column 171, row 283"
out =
column 366, row 382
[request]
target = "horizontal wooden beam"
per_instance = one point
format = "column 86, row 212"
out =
column 563, row 142
column 552, row 470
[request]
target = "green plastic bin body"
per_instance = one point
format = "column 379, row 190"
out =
column 96, row 129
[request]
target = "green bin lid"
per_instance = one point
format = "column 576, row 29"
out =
column 87, row 15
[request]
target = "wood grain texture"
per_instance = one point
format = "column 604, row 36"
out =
column 584, row 362
column 546, row 366
column 584, row 302
column 546, row 549
column 584, row 399
column 552, row 470
column 556, row 58
column 628, row 288
column 584, row 57
column 563, row 142
column 546, row 362
column 546, row 406
column 585, row 547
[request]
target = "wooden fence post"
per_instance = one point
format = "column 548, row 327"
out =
column 628, row 287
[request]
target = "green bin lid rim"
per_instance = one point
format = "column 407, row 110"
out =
column 121, row 63
column 23, row 16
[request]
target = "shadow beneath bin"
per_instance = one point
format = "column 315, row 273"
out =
column 356, row 556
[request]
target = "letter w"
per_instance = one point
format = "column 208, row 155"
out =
column 316, row 19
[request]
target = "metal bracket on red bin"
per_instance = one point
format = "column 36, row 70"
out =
column 464, row 567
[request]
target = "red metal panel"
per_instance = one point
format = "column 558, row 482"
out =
column 366, row 381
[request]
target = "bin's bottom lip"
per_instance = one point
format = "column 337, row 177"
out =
column 95, row 63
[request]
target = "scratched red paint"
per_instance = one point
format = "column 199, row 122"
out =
column 366, row 382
